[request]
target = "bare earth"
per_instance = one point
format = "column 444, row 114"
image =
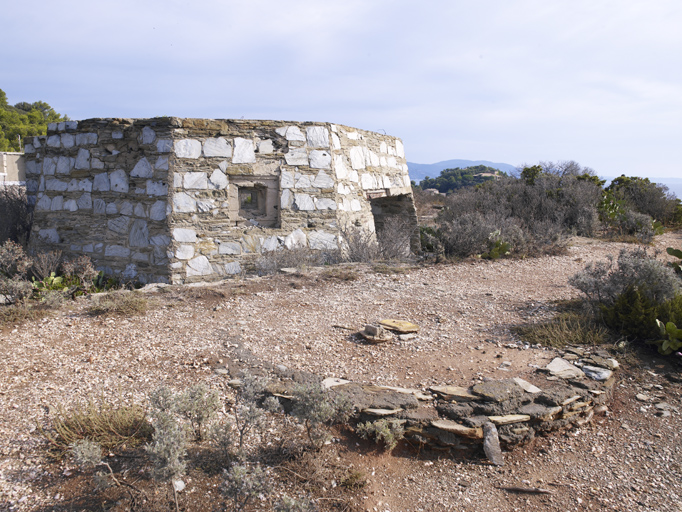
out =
column 628, row 459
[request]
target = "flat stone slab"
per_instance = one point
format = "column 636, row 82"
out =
column 509, row 419
column 381, row 412
column 498, row 390
column 540, row 412
column 400, row 326
column 526, row 386
column 409, row 391
column 330, row 382
column 597, row 372
column 456, row 393
column 460, row 430
column 563, row 369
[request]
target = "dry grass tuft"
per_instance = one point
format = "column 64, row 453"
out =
column 567, row 328
column 109, row 426
column 119, row 303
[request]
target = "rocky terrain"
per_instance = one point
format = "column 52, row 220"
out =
column 628, row 456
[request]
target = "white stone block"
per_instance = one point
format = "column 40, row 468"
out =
column 83, row 139
column 139, row 234
column 117, row 134
column 336, row 142
column 160, row 240
column 138, row 211
column 140, row 256
column 286, row 179
column 54, row 141
column 195, row 180
column 383, row 148
column 177, row 180
column 148, row 135
column 183, row 203
column 355, row 205
column 382, row 162
column 343, row 189
column 186, row 235
column 164, row 145
column 287, row 199
column 88, row 248
column 373, row 159
column 229, row 248
column 244, row 151
column 56, row 185
column 51, row 127
column 64, row 165
column 49, row 165
column 199, row 266
column 217, row 147
column 233, row 268
column 99, row 206
column 36, row 142
column 271, row 243
column 142, row 169
column 119, row 181
column 68, row 140
column 302, row 181
column 218, row 180
column 44, row 203
column 399, row 149
column 112, row 209
column 387, row 182
column 320, row 159
column 71, row 205
column 354, row 176
column 357, row 157
column 304, row 202
column 116, row 251
column 323, row 180
column 119, row 224
column 295, row 240
column 296, row 156
column 318, row 136
column 205, row 205
column 82, row 159
column 57, row 203
column 265, row 147
column 340, row 167
column 392, row 163
column 187, row 148
column 325, row 204
column 96, row 163
column 126, row 208
column 184, row 252
column 367, row 181
column 84, row 202
column 353, row 135
column 158, row 211
column 406, row 181
column 161, row 163
column 293, row 133
column 321, row 240
column 49, row 235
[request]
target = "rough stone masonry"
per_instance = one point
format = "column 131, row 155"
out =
column 182, row 200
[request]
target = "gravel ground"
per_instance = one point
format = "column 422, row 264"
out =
column 629, row 459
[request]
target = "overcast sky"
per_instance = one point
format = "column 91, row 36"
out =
column 599, row 82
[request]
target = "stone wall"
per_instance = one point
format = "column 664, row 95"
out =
column 181, row 200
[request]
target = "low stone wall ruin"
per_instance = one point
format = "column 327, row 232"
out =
column 182, row 200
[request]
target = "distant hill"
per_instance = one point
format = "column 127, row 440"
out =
column 420, row 171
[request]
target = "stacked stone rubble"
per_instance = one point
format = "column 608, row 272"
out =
column 181, row 200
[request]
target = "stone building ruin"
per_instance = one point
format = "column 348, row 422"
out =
column 182, row 200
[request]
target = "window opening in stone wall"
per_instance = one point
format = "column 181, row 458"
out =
column 254, row 200
column 251, row 201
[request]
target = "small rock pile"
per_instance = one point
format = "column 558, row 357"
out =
column 456, row 418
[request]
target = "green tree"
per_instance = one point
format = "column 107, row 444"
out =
column 455, row 179
column 24, row 120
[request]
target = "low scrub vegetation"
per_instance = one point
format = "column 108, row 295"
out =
column 176, row 431
column 534, row 213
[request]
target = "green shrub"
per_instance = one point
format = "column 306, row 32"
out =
column 16, row 215
column 318, row 409
column 198, row 405
column 241, row 484
column 604, row 282
column 673, row 342
column 676, row 265
column 388, row 432
column 634, row 313
column 288, row 504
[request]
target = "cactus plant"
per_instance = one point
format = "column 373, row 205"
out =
column 673, row 343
